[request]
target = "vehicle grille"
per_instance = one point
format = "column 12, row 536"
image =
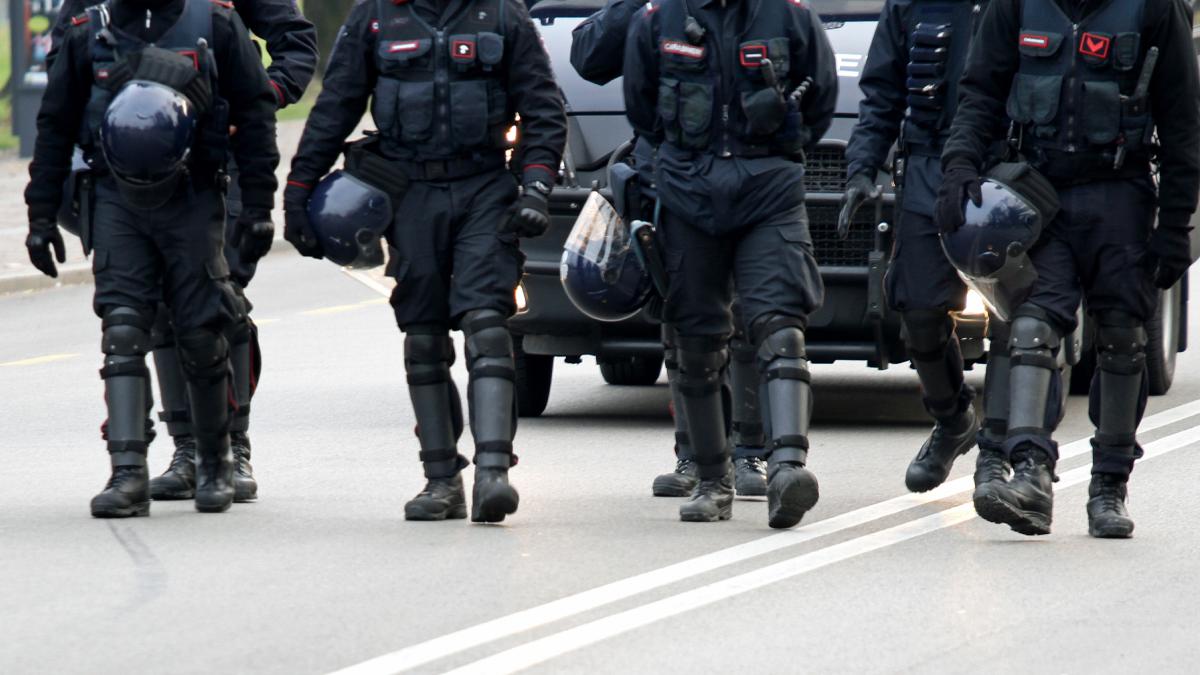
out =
column 834, row 252
column 825, row 169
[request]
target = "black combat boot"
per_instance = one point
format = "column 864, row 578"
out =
column 1025, row 503
column 492, row 498
column 245, row 487
column 214, row 458
column 792, row 491
column 127, row 492
column 179, row 480
column 710, row 501
column 947, row 443
column 991, row 467
column 441, row 499
column 678, row 483
column 750, row 476
column 1107, row 516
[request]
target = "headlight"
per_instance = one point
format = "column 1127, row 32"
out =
column 975, row 305
column 511, row 135
column 519, row 296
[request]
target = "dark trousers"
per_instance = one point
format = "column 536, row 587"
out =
column 920, row 276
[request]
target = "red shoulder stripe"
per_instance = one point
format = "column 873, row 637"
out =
column 227, row 4
column 79, row 20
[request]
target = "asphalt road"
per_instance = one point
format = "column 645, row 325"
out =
column 593, row 574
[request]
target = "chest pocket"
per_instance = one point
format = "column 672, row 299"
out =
column 763, row 65
column 478, row 104
column 403, row 108
column 1035, row 96
column 751, row 57
column 686, row 110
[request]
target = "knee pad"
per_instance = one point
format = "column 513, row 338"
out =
column 428, row 354
column 1120, row 343
column 126, row 332
column 769, row 324
column 205, row 354
column 786, row 341
column 701, row 362
column 487, row 334
column 1034, row 342
column 927, row 332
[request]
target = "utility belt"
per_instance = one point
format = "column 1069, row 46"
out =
column 1074, row 168
column 738, row 149
column 367, row 155
column 449, row 169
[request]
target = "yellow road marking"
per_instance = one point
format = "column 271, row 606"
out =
column 39, row 360
column 336, row 309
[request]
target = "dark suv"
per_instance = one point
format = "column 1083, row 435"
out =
column 853, row 324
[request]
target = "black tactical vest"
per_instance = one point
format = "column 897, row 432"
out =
column 1071, row 92
column 110, row 45
column 440, row 93
column 939, row 39
column 713, row 94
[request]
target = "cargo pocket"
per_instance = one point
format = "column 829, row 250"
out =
column 99, row 261
column 1102, row 101
column 217, row 268
column 668, row 107
column 397, row 266
column 1034, row 98
column 695, row 113
column 765, row 111
column 797, row 234
column 414, row 104
column 469, row 112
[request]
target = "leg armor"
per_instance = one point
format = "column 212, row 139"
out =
column 702, row 363
column 683, row 446
column 428, row 355
column 172, row 384
column 125, row 341
column 241, row 359
column 1035, row 382
column 933, row 348
column 490, row 391
column 995, row 388
column 787, row 392
column 206, row 362
column 744, row 382
column 1119, row 392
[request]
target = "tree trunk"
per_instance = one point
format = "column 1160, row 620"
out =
column 328, row 16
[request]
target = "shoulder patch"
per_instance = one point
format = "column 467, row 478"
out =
column 80, row 20
column 683, row 49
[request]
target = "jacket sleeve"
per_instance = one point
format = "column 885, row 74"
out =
column 68, row 11
column 983, row 90
column 291, row 42
column 598, row 44
column 244, row 85
column 1175, row 105
column 68, row 89
column 349, row 81
column 641, row 78
column 536, row 98
column 885, row 99
column 810, row 45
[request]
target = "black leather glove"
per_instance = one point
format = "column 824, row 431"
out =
column 960, row 182
column 44, row 234
column 1170, row 251
column 252, row 236
column 297, row 229
column 859, row 190
column 531, row 216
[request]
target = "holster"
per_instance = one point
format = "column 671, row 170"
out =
column 365, row 162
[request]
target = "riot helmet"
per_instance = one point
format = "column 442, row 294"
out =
column 147, row 136
column 349, row 216
column 991, row 249
column 600, row 270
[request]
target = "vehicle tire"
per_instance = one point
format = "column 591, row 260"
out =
column 534, row 375
column 637, row 371
column 1162, row 344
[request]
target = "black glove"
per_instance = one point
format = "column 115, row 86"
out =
column 531, row 216
column 960, row 182
column 252, row 237
column 859, row 190
column 297, row 229
column 1170, row 251
column 42, row 235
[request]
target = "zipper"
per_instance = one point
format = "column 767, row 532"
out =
column 1071, row 85
column 442, row 85
column 723, row 84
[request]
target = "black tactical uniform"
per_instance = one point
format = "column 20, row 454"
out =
column 174, row 253
column 1067, row 73
column 445, row 81
column 717, row 86
column 909, row 86
column 292, row 44
column 597, row 53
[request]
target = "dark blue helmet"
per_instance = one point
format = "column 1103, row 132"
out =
column 146, row 137
column 600, row 270
column 990, row 250
column 349, row 216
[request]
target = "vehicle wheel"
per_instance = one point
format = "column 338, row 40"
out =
column 534, row 375
column 638, row 371
column 1163, row 342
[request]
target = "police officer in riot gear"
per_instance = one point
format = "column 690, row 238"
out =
column 909, row 84
column 732, row 92
column 598, row 53
column 1087, row 85
column 157, row 227
column 291, row 42
column 445, row 81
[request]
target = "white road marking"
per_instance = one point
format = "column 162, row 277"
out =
column 556, row 610
column 38, row 360
column 368, row 281
column 546, row 648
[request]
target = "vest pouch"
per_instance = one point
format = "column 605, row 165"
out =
column 1034, row 98
column 401, row 55
column 414, row 106
column 212, row 146
column 491, row 49
column 682, row 56
column 1125, row 51
column 668, row 107
column 497, row 104
column 1039, row 45
column 469, row 112
column 1102, row 102
column 464, row 52
column 765, row 111
column 383, row 105
column 695, row 113
column 752, row 54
